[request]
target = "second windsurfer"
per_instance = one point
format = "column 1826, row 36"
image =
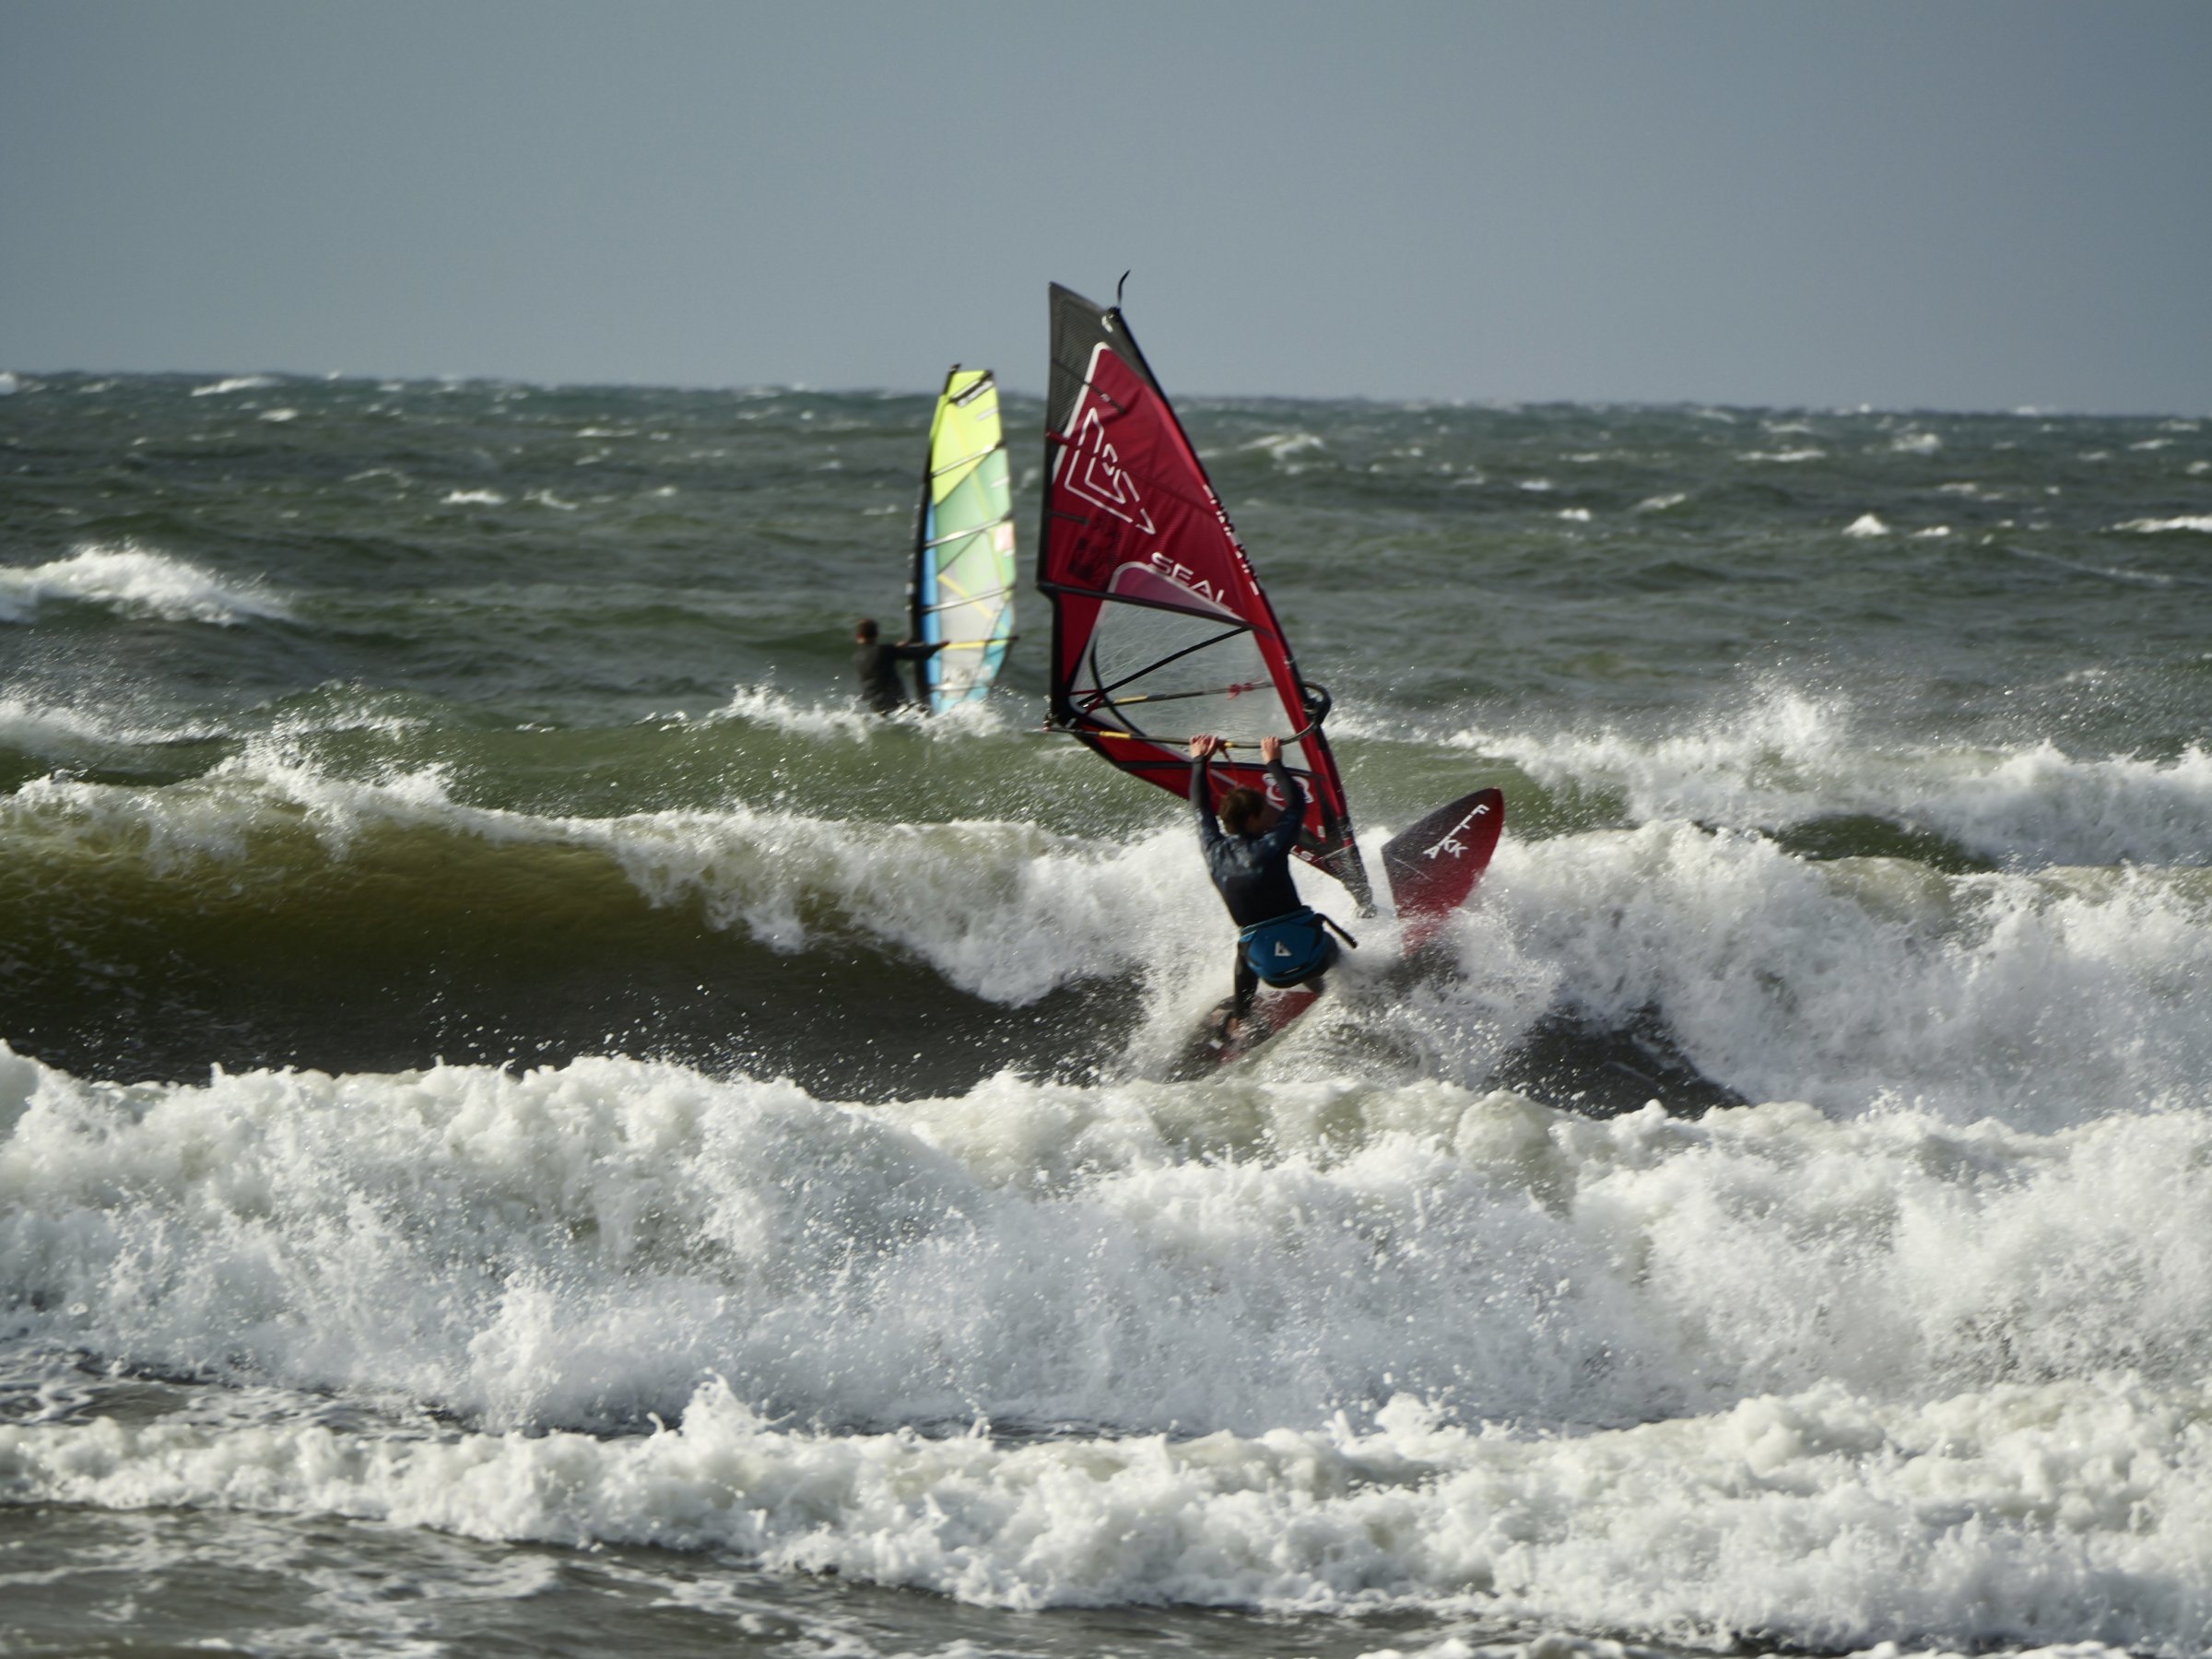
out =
column 876, row 663
column 1280, row 941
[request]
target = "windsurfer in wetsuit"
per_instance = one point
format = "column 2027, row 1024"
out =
column 1247, row 852
column 877, row 666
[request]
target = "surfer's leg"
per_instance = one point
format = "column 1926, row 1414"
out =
column 1247, row 982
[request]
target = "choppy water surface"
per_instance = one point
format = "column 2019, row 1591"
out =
column 525, row 1119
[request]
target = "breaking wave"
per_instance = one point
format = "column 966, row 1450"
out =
column 134, row 582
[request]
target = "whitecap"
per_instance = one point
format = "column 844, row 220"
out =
column 240, row 382
column 1791, row 757
column 474, row 498
column 2200, row 522
column 1866, row 525
column 1282, row 446
column 38, row 729
column 134, row 582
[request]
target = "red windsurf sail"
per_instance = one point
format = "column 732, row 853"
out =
column 1160, row 629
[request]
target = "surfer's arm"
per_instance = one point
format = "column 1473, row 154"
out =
column 909, row 651
column 1202, row 800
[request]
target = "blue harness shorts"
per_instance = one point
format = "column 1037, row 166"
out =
column 1288, row 949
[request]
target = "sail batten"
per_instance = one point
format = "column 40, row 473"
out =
column 962, row 594
column 1161, row 630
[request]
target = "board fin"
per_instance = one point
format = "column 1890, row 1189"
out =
column 1433, row 865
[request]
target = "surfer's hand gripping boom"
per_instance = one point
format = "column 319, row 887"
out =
column 1271, row 748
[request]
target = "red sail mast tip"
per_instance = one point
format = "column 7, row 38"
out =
column 1154, row 601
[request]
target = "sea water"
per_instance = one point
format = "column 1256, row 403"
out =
column 528, row 1124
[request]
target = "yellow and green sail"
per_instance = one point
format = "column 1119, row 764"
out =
column 962, row 590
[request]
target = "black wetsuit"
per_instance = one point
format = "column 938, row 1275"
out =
column 877, row 666
column 1251, row 872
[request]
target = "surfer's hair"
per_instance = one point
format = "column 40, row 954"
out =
column 1241, row 810
column 866, row 631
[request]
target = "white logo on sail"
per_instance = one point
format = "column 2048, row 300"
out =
column 1451, row 844
column 1099, row 478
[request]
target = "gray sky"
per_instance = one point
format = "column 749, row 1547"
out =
column 1951, row 203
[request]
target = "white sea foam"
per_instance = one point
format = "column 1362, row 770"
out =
column 42, row 730
column 764, row 705
column 1791, row 757
column 1866, row 525
column 280, row 417
column 1915, row 444
column 135, row 582
column 9, row 384
column 1784, row 457
column 1660, row 504
column 1816, row 1518
column 474, row 498
column 2200, row 522
column 1839, row 1382
column 2035, row 1000
column 72, row 734
column 843, row 717
column 1285, row 446
column 237, row 382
